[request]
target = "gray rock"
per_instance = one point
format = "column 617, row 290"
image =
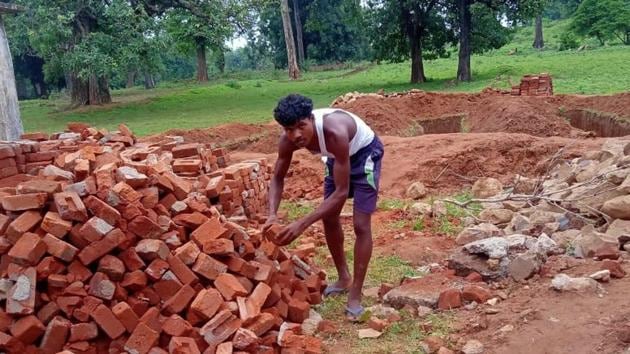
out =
column 487, row 187
column 591, row 243
column 465, row 263
column 438, row 209
column 420, row 209
column 602, row 275
column 565, row 239
column 424, row 311
column 624, row 187
column 618, row 207
column 563, row 282
column 496, row 216
column 514, row 206
column 411, row 294
column 493, row 247
column 476, row 233
column 545, row 245
column 416, row 190
column 519, row 224
column 473, row 347
column 519, row 242
column 524, row 266
column 382, row 311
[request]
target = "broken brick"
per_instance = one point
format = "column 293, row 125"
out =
column 125, row 315
column 106, row 320
column 55, row 335
column 102, row 210
column 23, row 223
column 207, row 303
column 208, row 267
column 142, row 339
column 70, row 207
column 28, row 250
column 28, row 329
column 179, row 301
column 23, row 202
column 95, row 229
column 229, row 286
column 55, row 225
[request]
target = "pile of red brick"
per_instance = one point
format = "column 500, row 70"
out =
column 534, row 85
column 108, row 249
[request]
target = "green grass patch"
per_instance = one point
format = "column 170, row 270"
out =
column 418, row 224
column 392, row 204
column 296, row 210
column 398, row 224
column 249, row 97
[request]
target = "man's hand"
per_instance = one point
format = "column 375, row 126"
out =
column 290, row 232
column 272, row 219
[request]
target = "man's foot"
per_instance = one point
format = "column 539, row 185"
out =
column 353, row 314
column 337, row 288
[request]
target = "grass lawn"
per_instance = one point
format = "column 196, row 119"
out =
column 601, row 70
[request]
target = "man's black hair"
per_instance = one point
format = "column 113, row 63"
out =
column 292, row 109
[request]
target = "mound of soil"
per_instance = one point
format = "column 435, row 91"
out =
column 488, row 111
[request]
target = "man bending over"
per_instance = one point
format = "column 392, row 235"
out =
column 353, row 154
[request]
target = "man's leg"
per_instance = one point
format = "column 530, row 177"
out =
column 362, row 255
column 334, row 240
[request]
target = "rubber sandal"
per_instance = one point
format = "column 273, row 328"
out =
column 334, row 290
column 354, row 315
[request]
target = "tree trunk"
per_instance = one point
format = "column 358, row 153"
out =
column 131, row 78
column 149, row 82
column 465, row 40
column 294, row 70
column 94, row 91
column 220, row 62
column 10, row 122
column 202, row 66
column 417, row 66
column 298, row 32
column 539, row 43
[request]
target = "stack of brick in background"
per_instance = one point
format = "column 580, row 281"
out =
column 99, row 256
column 534, row 85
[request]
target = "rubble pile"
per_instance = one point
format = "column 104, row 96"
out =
column 582, row 208
column 109, row 245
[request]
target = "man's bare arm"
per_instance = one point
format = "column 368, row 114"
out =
column 276, row 187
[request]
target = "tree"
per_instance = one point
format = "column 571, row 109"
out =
column 10, row 122
column 463, row 11
column 539, row 42
column 299, row 37
column 559, row 9
column 409, row 29
column 603, row 19
column 294, row 70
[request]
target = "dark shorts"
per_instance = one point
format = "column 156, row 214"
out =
column 365, row 172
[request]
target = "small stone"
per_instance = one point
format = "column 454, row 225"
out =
column 506, row 328
column 487, row 187
column 496, row 216
column 424, row 311
column 493, row 302
column 416, row 190
column 602, row 275
column 438, row 209
column 368, row 333
column 491, row 311
column 444, row 350
column 473, row 347
column 432, row 344
column 377, row 324
column 493, row 247
column 563, row 282
column 616, row 271
column 420, row 209
column 477, row 232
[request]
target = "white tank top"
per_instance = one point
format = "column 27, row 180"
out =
column 362, row 138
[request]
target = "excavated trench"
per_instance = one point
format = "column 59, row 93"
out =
column 452, row 123
column 602, row 124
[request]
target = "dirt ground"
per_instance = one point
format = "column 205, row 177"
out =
column 504, row 136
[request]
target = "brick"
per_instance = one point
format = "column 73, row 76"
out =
column 23, row 223
column 183, row 345
column 262, row 323
column 55, row 335
column 145, row 228
column 131, row 176
column 21, row 297
column 79, row 271
column 57, row 281
column 55, row 225
column 181, row 271
column 240, row 266
column 108, row 322
column 476, row 293
column 250, row 307
column 152, row 319
column 142, row 339
column 219, row 246
column 4, row 223
column 156, row 269
column 450, row 299
column 83, row 332
column 39, row 186
column 150, row 249
column 208, row 267
column 179, row 301
column 225, row 348
column 134, row 281
column 59, row 248
column 186, row 150
column 190, row 220
column 176, row 326
column 220, row 328
column 298, row 310
column 125, row 315
column 229, row 286
column 28, row 250
column 102, row 210
column 98, row 249
column 28, row 329
column 101, row 287
column 46, row 312
column 210, row 230
column 150, row 197
column 112, row 266
column 131, row 259
column 95, row 229
column 70, row 207
column 6, row 151
column 23, row 202
column 244, row 339
column 207, row 303
column 188, row 253
column 215, row 186
column 187, row 165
